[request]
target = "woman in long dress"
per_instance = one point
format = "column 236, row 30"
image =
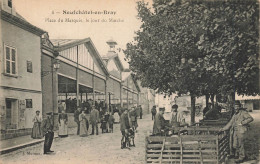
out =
column 83, row 121
column 63, row 124
column 36, row 130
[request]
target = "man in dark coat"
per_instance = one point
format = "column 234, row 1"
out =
column 206, row 109
column 141, row 111
column 76, row 118
column 159, row 123
column 94, row 119
column 124, row 127
column 153, row 112
column 212, row 114
column 47, row 128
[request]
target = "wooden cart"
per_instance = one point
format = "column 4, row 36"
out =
column 199, row 146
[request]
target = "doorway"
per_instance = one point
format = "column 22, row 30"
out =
column 11, row 113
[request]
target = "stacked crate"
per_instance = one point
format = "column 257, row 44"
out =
column 199, row 146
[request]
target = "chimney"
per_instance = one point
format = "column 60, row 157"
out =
column 112, row 44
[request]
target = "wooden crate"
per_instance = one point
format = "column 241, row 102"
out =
column 187, row 148
column 200, row 130
column 214, row 123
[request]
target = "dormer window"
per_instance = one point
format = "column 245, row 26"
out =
column 10, row 3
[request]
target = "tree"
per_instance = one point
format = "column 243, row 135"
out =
column 188, row 46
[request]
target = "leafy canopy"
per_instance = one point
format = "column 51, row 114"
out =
column 200, row 47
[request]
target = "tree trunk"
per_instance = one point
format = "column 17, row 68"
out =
column 231, row 102
column 218, row 98
column 212, row 99
column 207, row 100
column 193, row 101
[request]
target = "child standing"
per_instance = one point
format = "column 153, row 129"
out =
column 111, row 121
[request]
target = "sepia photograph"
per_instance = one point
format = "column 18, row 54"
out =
column 129, row 82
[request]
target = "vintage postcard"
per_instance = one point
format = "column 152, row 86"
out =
column 112, row 81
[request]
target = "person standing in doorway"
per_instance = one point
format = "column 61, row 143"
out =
column 36, row 130
column 94, row 119
column 47, row 128
column 76, row 118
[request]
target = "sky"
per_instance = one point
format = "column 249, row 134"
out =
column 46, row 14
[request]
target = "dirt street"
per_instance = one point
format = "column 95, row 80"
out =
column 104, row 148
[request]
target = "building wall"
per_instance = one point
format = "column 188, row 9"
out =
column 25, row 85
column 23, row 116
column 28, row 48
column 113, row 87
column 47, row 89
column 113, row 69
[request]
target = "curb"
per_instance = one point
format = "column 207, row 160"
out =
column 14, row 148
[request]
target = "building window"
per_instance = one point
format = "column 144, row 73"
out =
column 10, row 60
column 28, row 103
column 10, row 3
column 29, row 66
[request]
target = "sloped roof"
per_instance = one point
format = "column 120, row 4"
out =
column 125, row 75
column 63, row 44
column 113, row 55
column 19, row 21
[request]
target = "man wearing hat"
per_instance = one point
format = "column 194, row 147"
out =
column 94, row 119
column 159, row 123
column 47, row 128
column 76, row 118
column 238, row 126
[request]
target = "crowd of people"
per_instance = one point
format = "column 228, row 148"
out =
column 237, row 126
column 128, row 122
column 70, row 105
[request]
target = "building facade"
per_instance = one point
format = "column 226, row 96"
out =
column 20, row 79
column 146, row 98
column 80, row 77
column 114, row 80
column 130, row 91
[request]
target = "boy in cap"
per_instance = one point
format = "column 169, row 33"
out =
column 238, row 126
column 47, row 127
